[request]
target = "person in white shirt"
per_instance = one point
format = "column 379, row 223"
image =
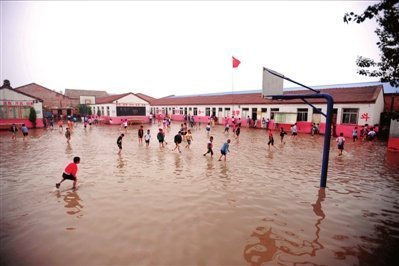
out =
column 147, row 138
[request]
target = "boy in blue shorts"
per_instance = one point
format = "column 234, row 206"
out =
column 224, row 150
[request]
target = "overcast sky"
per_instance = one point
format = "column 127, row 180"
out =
column 161, row 48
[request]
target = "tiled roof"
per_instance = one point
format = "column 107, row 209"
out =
column 23, row 93
column 145, row 97
column 110, row 99
column 71, row 93
column 365, row 94
column 28, row 87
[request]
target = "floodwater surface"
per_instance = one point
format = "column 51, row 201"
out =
column 152, row 206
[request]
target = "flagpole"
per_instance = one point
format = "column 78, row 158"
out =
column 232, row 92
column 235, row 64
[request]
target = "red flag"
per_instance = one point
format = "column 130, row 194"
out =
column 236, row 62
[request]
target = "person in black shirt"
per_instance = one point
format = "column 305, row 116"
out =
column 178, row 140
column 119, row 143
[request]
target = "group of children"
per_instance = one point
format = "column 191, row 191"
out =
column 14, row 130
column 184, row 134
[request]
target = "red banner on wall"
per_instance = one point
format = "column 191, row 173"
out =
column 16, row 103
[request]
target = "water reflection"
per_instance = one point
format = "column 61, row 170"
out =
column 354, row 225
column 68, row 149
column 318, row 211
column 270, row 242
column 178, row 164
column 120, row 163
column 72, row 200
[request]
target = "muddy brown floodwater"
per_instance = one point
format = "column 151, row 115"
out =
column 157, row 207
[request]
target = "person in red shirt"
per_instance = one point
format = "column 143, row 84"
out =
column 70, row 173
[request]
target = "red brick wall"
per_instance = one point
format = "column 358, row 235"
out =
column 388, row 98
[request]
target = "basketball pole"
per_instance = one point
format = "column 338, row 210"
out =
column 328, row 116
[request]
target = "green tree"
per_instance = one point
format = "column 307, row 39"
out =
column 32, row 116
column 386, row 13
column 83, row 109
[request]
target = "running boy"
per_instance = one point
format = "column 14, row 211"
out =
column 209, row 147
column 70, row 173
column 224, row 150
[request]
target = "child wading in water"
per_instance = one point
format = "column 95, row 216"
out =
column 178, row 140
column 282, row 134
column 70, row 173
column 341, row 141
column 237, row 132
column 189, row 138
column 68, row 134
column 14, row 130
column 161, row 138
column 141, row 134
column 147, row 138
column 209, row 147
column 224, row 150
column 354, row 134
column 271, row 139
column 119, row 142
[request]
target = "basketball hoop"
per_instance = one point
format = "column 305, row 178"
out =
column 272, row 83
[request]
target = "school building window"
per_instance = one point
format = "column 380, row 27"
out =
column 208, row 111
column 227, row 111
column 181, row 110
column 245, row 112
column 302, row 114
column 124, row 111
column 273, row 111
column 349, row 115
column 195, row 111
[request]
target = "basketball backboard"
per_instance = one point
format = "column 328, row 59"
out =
column 272, row 83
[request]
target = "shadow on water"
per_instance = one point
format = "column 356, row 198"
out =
column 269, row 244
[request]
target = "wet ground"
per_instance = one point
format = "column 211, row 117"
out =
column 149, row 206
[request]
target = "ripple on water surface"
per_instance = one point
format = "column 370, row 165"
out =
column 152, row 206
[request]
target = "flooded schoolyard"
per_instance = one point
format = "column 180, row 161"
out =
column 157, row 207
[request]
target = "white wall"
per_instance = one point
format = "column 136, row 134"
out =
column 372, row 110
column 131, row 98
column 15, row 96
